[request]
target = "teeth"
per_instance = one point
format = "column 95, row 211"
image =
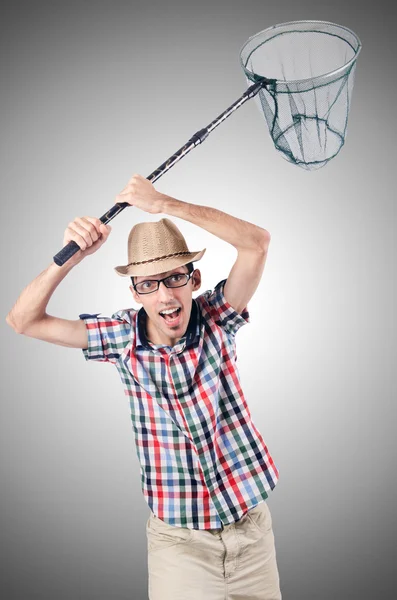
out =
column 169, row 311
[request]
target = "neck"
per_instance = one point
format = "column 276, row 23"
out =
column 154, row 336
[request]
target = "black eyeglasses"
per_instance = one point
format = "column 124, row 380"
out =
column 152, row 285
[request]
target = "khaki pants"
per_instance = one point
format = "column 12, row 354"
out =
column 237, row 562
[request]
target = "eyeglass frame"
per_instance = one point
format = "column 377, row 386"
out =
column 158, row 281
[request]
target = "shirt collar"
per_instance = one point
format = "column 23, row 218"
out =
column 192, row 331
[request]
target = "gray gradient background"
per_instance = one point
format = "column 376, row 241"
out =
column 91, row 94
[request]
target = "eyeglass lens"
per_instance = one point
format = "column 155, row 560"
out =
column 173, row 281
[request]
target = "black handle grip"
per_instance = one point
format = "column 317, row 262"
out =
column 66, row 253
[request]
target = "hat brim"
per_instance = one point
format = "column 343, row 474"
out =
column 158, row 266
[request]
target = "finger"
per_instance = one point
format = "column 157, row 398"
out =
column 106, row 229
column 131, row 187
column 77, row 230
column 102, row 229
column 89, row 227
column 72, row 235
column 96, row 222
column 125, row 192
column 102, row 238
column 127, row 197
column 134, row 178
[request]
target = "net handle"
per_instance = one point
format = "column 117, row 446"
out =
column 198, row 138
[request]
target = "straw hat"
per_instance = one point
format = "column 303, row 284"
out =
column 156, row 247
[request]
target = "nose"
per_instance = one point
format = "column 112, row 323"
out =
column 165, row 293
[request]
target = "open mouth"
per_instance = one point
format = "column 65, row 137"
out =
column 172, row 317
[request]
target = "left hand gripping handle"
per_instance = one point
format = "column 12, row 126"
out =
column 71, row 248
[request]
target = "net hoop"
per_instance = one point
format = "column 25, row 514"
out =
column 304, row 84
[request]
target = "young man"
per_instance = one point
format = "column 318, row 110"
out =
column 205, row 469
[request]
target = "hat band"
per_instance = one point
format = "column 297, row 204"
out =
column 144, row 262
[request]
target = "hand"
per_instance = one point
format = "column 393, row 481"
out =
column 141, row 193
column 89, row 233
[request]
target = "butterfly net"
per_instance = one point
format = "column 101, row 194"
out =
column 309, row 67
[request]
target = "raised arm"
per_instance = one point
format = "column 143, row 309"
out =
column 28, row 315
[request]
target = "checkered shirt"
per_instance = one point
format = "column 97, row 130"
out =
column 203, row 462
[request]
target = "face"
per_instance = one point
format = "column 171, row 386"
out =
column 162, row 330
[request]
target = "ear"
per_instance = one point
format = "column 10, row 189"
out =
column 136, row 296
column 196, row 279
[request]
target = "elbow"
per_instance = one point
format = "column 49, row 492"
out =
column 264, row 241
column 13, row 324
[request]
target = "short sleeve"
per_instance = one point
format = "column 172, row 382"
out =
column 107, row 336
column 223, row 313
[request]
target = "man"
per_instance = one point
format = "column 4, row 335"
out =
column 205, row 469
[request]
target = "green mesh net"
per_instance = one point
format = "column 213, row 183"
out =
column 310, row 65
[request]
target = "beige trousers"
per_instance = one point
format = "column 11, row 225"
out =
column 237, row 562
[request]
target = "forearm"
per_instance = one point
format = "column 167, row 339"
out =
column 241, row 234
column 32, row 302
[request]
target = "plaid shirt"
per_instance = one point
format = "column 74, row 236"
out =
column 203, row 462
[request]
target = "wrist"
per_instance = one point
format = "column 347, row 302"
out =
column 65, row 268
column 162, row 203
column 173, row 207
